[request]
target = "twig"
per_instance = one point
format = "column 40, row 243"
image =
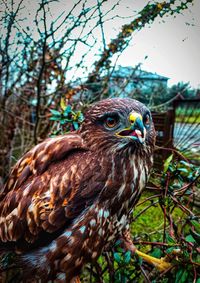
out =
column 154, row 243
column 143, row 210
column 39, row 81
column 147, row 199
column 101, row 25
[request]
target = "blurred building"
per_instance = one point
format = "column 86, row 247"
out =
column 125, row 80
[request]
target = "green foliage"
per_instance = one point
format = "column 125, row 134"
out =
column 180, row 223
column 167, row 163
column 66, row 119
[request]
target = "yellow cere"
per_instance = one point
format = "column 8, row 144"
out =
column 133, row 116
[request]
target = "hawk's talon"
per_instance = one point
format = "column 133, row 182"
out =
column 160, row 263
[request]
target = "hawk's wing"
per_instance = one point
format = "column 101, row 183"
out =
column 41, row 194
column 37, row 160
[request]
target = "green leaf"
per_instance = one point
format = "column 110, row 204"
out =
column 169, row 250
column 101, row 260
column 118, row 242
column 120, row 250
column 62, row 104
column 183, row 170
column 117, row 257
column 140, row 260
column 80, row 116
column 184, row 277
column 157, row 253
column 186, row 255
column 127, row 257
column 169, row 239
column 185, row 163
column 76, row 125
column 181, row 276
column 196, row 236
column 176, row 185
column 53, row 118
column 167, row 162
column 190, row 239
column 55, row 112
column 62, row 122
column 68, row 110
column 196, row 225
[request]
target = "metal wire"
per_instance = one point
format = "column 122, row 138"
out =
column 186, row 134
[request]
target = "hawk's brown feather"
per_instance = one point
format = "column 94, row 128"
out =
column 72, row 195
column 33, row 198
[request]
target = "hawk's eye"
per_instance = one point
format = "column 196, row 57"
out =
column 146, row 120
column 111, row 122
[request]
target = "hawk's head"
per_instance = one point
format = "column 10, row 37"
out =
column 117, row 123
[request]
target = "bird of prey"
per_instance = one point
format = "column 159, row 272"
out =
column 72, row 195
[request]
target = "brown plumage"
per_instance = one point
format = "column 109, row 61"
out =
column 71, row 195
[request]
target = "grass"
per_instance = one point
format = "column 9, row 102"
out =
column 149, row 225
column 186, row 119
column 148, row 222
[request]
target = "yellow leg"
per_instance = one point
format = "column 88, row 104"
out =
column 160, row 264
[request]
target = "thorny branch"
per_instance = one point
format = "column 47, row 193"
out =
column 42, row 68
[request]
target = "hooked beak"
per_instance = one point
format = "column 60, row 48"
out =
column 136, row 131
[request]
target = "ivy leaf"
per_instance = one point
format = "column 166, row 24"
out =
column 68, row 110
column 196, row 225
column 62, row 122
column 169, row 250
column 167, row 163
column 120, row 250
column 55, row 112
column 127, row 257
column 53, row 118
column 176, row 185
column 196, row 236
column 183, row 170
column 76, row 125
column 118, row 242
column 80, row 116
column 183, row 162
column 190, row 239
column 181, row 276
column 157, row 253
column 169, row 239
column 140, row 260
column 62, row 104
column 117, row 257
column 186, row 255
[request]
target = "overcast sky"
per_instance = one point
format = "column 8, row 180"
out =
column 171, row 49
